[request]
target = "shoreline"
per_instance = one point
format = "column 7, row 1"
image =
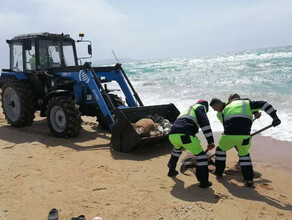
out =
column 265, row 150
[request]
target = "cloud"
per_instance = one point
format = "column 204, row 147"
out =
column 101, row 22
column 65, row 14
column 225, row 27
column 151, row 29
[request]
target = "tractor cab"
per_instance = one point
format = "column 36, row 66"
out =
column 38, row 52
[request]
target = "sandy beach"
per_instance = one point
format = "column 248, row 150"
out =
column 83, row 175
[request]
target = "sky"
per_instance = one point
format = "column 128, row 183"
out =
column 152, row 29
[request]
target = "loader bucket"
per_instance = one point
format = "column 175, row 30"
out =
column 124, row 137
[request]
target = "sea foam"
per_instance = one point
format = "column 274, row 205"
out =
column 262, row 74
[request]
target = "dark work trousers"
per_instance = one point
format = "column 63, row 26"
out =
column 246, row 167
column 202, row 172
column 220, row 161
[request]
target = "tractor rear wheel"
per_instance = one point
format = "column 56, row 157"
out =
column 63, row 116
column 18, row 103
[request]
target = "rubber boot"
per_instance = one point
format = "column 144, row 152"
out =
column 205, row 184
column 247, row 170
column 172, row 165
column 220, row 162
column 202, row 172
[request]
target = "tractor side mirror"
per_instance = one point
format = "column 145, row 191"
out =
column 27, row 45
column 89, row 48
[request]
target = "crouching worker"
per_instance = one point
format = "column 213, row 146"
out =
column 183, row 135
column 237, row 120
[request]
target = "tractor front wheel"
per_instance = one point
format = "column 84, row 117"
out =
column 63, row 117
column 18, row 103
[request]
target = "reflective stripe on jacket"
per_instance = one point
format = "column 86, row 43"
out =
column 191, row 114
column 237, row 118
column 190, row 120
column 237, row 109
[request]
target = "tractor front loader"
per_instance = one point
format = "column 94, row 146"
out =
column 45, row 76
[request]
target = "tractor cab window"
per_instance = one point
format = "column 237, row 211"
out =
column 55, row 53
column 17, row 57
column 30, row 58
column 49, row 54
column 68, row 51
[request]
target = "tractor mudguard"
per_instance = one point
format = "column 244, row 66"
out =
column 5, row 76
column 124, row 137
column 49, row 96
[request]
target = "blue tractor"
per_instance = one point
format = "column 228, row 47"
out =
column 46, row 75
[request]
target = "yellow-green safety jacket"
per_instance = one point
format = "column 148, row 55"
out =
column 237, row 115
column 190, row 120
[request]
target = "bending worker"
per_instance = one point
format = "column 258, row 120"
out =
column 237, row 120
column 235, row 96
column 182, row 135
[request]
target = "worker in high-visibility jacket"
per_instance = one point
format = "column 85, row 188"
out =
column 235, row 96
column 237, row 120
column 183, row 135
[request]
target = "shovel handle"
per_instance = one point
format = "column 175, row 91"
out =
column 209, row 158
column 253, row 134
column 263, row 129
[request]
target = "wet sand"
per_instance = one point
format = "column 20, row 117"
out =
column 267, row 150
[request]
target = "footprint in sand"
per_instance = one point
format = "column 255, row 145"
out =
column 221, row 196
column 283, row 200
column 232, row 172
column 266, row 186
column 282, row 196
column 280, row 214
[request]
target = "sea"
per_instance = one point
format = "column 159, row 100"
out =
column 258, row 74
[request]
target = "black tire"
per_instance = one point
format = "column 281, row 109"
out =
column 102, row 123
column 18, row 103
column 63, row 117
column 116, row 100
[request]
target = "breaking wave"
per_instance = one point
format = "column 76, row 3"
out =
column 261, row 74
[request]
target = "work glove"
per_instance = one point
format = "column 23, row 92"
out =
column 257, row 115
column 276, row 122
column 210, row 146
